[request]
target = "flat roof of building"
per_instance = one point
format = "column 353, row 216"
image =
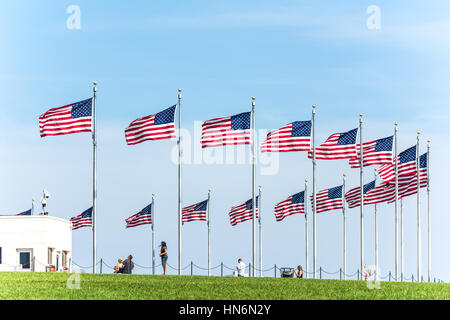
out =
column 34, row 217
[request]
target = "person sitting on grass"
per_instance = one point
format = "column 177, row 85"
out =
column 299, row 272
column 128, row 265
column 240, row 269
column 119, row 267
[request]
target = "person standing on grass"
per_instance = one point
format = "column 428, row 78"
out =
column 299, row 272
column 128, row 265
column 240, row 269
column 164, row 257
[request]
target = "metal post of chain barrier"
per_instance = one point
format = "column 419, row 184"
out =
column 221, row 269
column 390, row 275
column 412, row 278
column 340, row 273
column 192, row 268
column 357, row 271
column 422, row 278
column 101, row 265
column 275, row 268
column 434, row 280
column 320, row 272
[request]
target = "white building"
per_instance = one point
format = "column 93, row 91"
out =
column 35, row 243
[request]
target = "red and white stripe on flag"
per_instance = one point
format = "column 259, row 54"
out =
column 295, row 136
column 72, row 118
column 154, row 127
column 234, row 130
column 328, row 199
column 337, row 146
column 243, row 212
column 287, row 208
column 195, row 212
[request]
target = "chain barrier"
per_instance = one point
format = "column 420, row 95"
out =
column 198, row 267
column 73, row 262
column 340, row 272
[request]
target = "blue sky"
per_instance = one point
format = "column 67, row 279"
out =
column 289, row 54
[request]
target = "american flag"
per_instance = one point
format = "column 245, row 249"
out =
column 353, row 196
column 82, row 220
column 406, row 162
column 328, row 199
column 72, row 118
column 196, row 212
column 155, row 127
column 337, row 146
column 292, row 205
column 295, row 136
column 410, row 188
column 142, row 217
column 243, row 212
column 382, row 193
column 25, row 213
column 376, row 152
column 232, row 130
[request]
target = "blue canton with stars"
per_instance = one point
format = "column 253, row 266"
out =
column 201, row 206
column 166, row 116
column 25, row 213
column 146, row 211
column 423, row 161
column 368, row 186
column 348, row 137
column 301, row 128
column 249, row 204
column 82, row 109
column 384, row 144
column 335, row 193
column 298, row 198
column 408, row 155
column 87, row 213
column 240, row 121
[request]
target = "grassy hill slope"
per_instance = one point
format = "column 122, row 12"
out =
column 110, row 286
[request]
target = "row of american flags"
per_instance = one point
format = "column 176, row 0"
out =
column 402, row 174
column 235, row 130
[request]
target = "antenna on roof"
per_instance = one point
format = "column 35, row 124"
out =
column 45, row 196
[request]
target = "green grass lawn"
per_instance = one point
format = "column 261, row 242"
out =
column 109, row 286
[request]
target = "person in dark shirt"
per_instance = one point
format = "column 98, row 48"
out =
column 128, row 265
column 299, row 272
column 164, row 257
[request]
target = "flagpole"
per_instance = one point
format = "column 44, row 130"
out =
column 305, row 193
column 209, row 233
column 253, row 190
column 361, row 192
column 153, row 234
column 94, row 182
column 345, row 227
column 377, row 273
column 396, row 200
column 180, row 218
column 419, row 241
column 429, row 210
column 313, row 125
column 260, row 231
column 402, row 238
